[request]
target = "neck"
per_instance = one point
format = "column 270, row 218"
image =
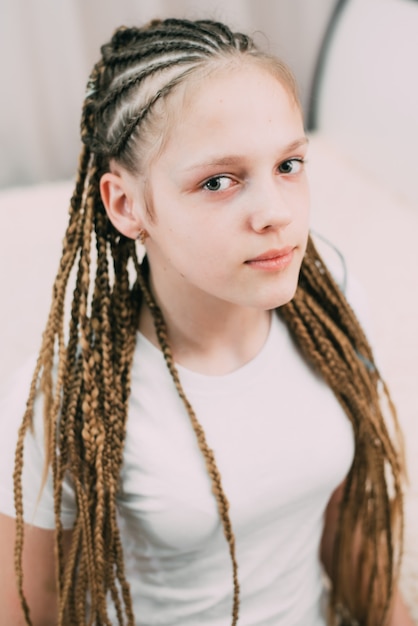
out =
column 207, row 335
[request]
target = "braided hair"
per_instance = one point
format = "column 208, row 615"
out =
column 84, row 376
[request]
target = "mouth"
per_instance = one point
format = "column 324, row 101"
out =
column 275, row 259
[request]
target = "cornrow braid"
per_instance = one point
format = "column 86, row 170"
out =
column 135, row 55
column 116, row 147
column 85, row 381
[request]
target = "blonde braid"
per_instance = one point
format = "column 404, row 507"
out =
column 215, row 476
column 334, row 343
column 44, row 366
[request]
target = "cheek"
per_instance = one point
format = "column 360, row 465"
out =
column 304, row 200
column 182, row 234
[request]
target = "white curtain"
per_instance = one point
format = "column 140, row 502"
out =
column 49, row 46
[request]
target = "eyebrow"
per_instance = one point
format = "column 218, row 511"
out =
column 234, row 159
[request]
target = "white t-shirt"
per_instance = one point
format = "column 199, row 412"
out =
column 282, row 444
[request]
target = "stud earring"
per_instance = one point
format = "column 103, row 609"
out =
column 142, row 235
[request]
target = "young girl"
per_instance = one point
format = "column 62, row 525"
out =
column 209, row 432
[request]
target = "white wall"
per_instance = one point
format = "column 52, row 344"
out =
column 369, row 95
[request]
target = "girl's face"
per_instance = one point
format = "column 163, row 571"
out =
column 229, row 194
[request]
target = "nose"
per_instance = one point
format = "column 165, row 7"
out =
column 271, row 207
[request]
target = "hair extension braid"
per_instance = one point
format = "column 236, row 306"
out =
column 217, row 489
column 367, row 501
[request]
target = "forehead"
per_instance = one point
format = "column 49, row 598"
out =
column 243, row 70
column 243, row 104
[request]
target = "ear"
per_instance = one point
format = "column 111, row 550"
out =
column 119, row 201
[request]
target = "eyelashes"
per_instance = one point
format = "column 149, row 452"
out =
column 224, row 182
column 292, row 166
column 218, row 183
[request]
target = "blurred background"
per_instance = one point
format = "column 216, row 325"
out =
column 48, row 48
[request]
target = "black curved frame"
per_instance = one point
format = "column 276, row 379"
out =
column 312, row 109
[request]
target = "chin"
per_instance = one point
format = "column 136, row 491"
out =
column 283, row 291
column 278, row 300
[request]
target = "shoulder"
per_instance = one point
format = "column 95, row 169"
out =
column 38, row 503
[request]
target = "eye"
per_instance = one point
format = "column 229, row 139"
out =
column 218, row 183
column 291, row 166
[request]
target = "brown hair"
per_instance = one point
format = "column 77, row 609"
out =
column 85, row 403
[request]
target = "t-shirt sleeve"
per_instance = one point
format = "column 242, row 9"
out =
column 38, row 505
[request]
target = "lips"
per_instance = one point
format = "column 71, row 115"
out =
column 272, row 260
column 272, row 254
